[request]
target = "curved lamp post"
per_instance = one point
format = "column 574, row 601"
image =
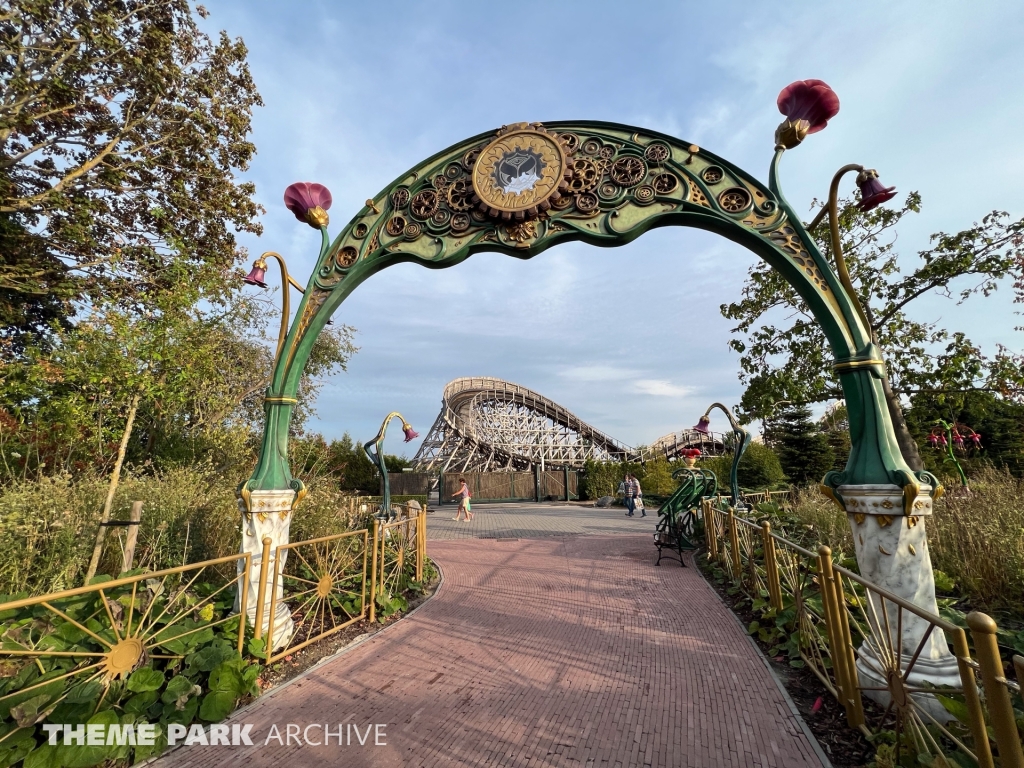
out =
column 374, row 450
column 742, row 441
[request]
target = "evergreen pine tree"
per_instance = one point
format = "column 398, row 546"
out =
column 803, row 450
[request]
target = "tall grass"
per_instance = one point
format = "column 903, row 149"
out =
column 48, row 526
column 976, row 539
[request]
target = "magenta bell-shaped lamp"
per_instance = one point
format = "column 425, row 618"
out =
column 410, row 433
column 259, row 272
column 703, row 426
column 872, row 193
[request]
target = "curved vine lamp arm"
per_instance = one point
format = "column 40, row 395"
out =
column 256, row 277
column 743, row 438
column 374, row 450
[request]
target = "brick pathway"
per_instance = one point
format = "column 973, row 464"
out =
column 568, row 651
column 532, row 520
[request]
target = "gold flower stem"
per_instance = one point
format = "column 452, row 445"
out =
column 837, row 246
column 286, row 281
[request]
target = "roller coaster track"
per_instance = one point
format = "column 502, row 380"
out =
column 488, row 424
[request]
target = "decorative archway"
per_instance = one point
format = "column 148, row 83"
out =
column 604, row 184
column 528, row 187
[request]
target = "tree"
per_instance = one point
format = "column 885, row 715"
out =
column 835, row 425
column 122, row 127
column 784, row 353
column 199, row 371
column 803, row 451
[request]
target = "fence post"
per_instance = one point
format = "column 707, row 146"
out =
column 710, row 530
column 771, row 567
column 134, row 519
column 440, row 490
column 975, row 715
column 261, row 594
column 734, row 542
column 1018, row 668
column 855, row 712
column 536, row 482
column 997, row 695
column 373, row 574
column 566, row 469
column 243, row 603
column 421, row 544
column 843, row 661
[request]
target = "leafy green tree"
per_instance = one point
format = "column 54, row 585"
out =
column 759, row 469
column 122, row 129
column 803, row 450
column 835, row 425
column 784, row 353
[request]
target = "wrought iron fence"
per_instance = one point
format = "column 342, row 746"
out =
column 865, row 642
column 398, row 559
column 67, row 649
column 323, row 583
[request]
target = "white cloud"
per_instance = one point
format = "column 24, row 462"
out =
column 662, row 388
column 596, row 373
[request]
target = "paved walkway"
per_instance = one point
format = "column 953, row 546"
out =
column 554, row 651
column 533, row 521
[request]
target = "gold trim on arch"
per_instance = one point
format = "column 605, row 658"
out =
column 284, row 400
column 855, row 365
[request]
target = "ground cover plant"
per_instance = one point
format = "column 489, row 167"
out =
column 976, row 541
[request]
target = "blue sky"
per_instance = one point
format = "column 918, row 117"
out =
column 630, row 338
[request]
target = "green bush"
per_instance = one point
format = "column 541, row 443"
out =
column 198, row 674
column 602, row 478
column 759, row 469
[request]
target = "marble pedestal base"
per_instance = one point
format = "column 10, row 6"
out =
column 892, row 553
column 271, row 517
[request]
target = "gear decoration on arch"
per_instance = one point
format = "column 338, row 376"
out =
column 521, row 172
column 346, row 257
column 396, row 225
column 628, row 171
column 460, row 195
column 587, row 202
column 645, row 194
column 713, row 174
column 400, row 197
column 424, row 203
column 460, row 222
column 665, row 183
column 570, row 141
column 734, row 200
column 585, row 176
column 657, row 153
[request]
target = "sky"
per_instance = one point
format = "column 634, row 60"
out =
column 631, row 338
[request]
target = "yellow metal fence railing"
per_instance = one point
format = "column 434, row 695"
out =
column 865, row 642
column 129, row 648
column 324, row 585
column 66, row 650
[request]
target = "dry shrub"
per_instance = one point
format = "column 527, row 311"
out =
column 48, row 527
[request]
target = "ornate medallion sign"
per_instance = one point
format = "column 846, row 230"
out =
column 521, row 172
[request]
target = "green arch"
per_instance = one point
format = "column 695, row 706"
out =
column 626, row 181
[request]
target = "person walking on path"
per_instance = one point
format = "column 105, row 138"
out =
column 463, row 496
column 638, row 499
column 630, row 493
